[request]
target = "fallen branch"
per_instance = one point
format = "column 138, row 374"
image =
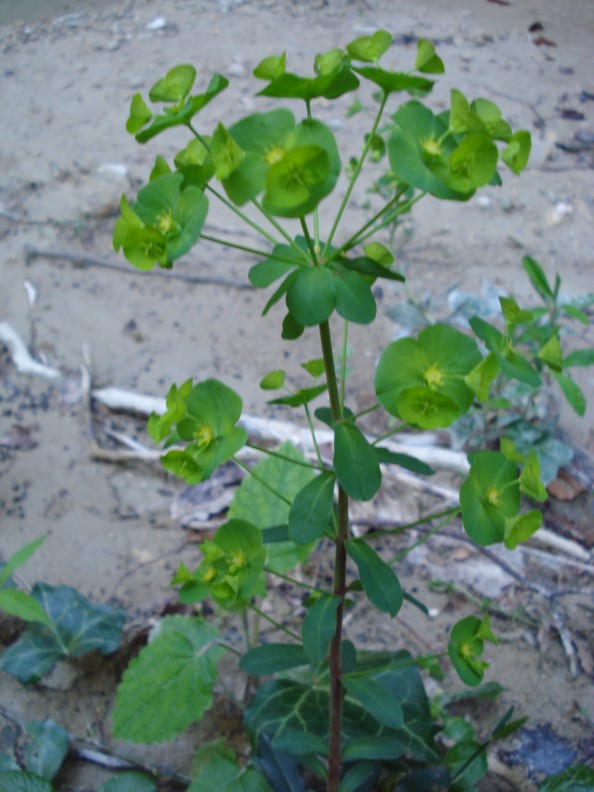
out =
column 87, row 261
column 20, row 355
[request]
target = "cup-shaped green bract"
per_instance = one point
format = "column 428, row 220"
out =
column 162, row 225
column 231, row 569
column 205, row 416
column 489, row 497
column 333, row 77
column 294, row 165
column 466, row 645
column 422, row 380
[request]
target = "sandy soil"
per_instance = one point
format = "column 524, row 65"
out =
column 65, row 159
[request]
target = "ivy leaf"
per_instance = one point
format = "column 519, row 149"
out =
column 272, row 658
column 47, row 749
column 375, row 699
column 428, row 61
column 319, row 627
column 20, row 781
column 169, row 685
column 379, row 581
column 77, row 626
column 311, row 509
column 355, row 463
column 129, row 782
column 254, row 502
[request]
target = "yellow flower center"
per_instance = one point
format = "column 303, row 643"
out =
column 237, row 560
column 433, row 376
column 209, row 574
column 467, row 650
column 274, row 154
column 431, row 147
column 493, row 496
column 166, row 222
column 204, row 435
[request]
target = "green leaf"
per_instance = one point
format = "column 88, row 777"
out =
column 575, row 313
column 299, row 743
column 511, row 362
column 427, row 60
column 254, row 502
column 225, row 152
column 271, row 67
column 359, row 777
column 78, row 626
column 314, row 367
column 370, row 48
column 297, row 182
column 530, row 479
column 319, row 627
column 465, row 647
column 140, row 114
column 301, row 397
column 282, row 771
column 422, row 380
column 273, row 380
column 291, row 329
column 580, row 357
column 538, row 278
column 462, row 120
column 355, row 463
column 552, row 354
column 378, row 748
column 176, row 116
column 393, row 82
column 512, row 313
column 367, row 265
column 354, row 300
column 517, row 151
column 272, row 658
column 129, row 782
column 577, row 778
column 468, row 764
column 311, row 509
column 19, row 781
column 22, row 605
column 387, row 457
column 169, row 685
column 519, row 529
column 312, row 295
column 47, row 749
column 329, row 86
column 19, row 558
column 175, row 86
column 375, row 699
column 572, row 392
column 490, row 115
column 378, row 579
column 482, row 376
column 489, row 496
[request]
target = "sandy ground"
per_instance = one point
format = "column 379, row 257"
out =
column 65, row 159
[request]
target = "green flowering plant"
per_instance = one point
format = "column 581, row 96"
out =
column 324, row 711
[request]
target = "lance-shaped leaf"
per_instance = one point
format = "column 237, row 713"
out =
column 180, row 113
column 301, row 397
column 579, row 357
column 355, row 463
column 422, row 380
column 256, row 503
column 387, row 457
column 530, row 479
column 489, row 496
column 319, row 627
column 272, row 658
column 311, row 509
column 169, row 685
column 466, row 646
column 77, row 626
column 375, row 698
column 512, row 363
column 367, row 265
column 572, row 392
column 378, row 579
column 19, row 558
column 23, row 606
column 538, row 278
column 47, row 748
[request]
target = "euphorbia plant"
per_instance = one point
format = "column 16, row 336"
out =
column 348, row 716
